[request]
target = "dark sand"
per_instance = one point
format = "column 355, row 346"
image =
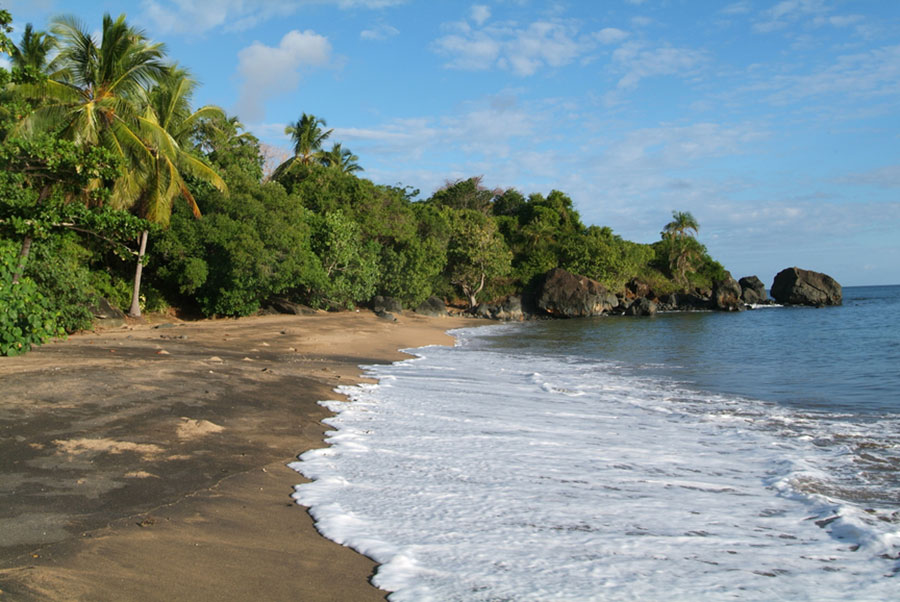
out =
column 144, row 463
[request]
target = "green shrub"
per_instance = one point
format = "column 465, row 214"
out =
column 26, row 318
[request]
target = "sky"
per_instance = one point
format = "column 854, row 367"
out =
column 775, row 122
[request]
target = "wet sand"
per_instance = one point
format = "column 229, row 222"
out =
column 147, row 462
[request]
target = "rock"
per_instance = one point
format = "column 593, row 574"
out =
column 511, row 309
column 726, row 295
column 384, row 315
column 565, row 295
column 108, row 315
column 684, row 302
column 637, row 288
column 389, row 304
column 753, row 291
column 793, row 286
column 432, row 306
column 484, row 310
column 641, row 307
column 286, row 306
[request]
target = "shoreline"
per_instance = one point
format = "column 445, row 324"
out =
column 150, row 461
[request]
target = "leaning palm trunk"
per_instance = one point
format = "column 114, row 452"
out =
column 135, row 311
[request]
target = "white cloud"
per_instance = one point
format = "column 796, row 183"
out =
column 610, row 35
column 875, row 73
column 381, row 31
column 522, row 50
column 737, row 8
column 479, row 13
column 199, row 16
column 786, row 12
column 883, row 177
column 268, row 71
column 638, row 62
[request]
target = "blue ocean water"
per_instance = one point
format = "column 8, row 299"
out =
column 842, row 358
column 751, row 456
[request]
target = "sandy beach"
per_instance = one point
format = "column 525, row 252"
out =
column 148, row 462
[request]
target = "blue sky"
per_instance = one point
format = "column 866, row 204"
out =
column 776, row 123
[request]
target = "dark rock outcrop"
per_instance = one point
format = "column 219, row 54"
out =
column 104, row 310
column 753, row 291
column 432, row 306
column 386, row 304
column 726, row 295
column 637, row 288
column 285, row 306
column 562, row 294
column 510, row 309
column 793, row 286
column 684, row 302
column 641, row 307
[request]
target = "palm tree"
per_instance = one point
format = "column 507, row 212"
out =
column 683, row 250
column 683, row 222
column 167, row 125
column 34, row 50
column 341, row 159
column 308, row 136
column 95, row 93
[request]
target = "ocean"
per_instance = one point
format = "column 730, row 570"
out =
column 714, row 456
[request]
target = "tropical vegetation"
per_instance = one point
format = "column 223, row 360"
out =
column 104, row 156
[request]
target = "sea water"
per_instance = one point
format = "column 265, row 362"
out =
column 751, row 456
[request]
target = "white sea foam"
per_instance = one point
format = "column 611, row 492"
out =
column 470, row 475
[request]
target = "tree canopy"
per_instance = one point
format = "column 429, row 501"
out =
column 100, row 143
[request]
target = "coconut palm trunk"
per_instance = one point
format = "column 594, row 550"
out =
column 135, row 311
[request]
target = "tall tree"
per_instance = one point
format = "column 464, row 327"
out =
column 95, row 94
column 476, row 252
column 308, row 136
column 683, row 248
column 683, row 224
column 341, row 159
column 167, row 127
column 33, row 51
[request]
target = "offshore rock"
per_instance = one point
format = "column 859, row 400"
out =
column 563, row 294
column 753, row 291
column 727, row 295
column 432, row 306
column 793, row 286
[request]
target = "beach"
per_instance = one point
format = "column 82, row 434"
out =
column 148, row 461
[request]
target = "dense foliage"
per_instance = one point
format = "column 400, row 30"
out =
column 81, row 198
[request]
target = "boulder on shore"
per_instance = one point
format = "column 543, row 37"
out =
column 753, row 291
column 386, row 304
column 641, row 307
column 286, row 306
column 684, row 302
column 563, row 294
column 793, row 286
column 432, row 306
column 727, row 295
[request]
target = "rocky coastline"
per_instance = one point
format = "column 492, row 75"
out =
column 562, row 294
